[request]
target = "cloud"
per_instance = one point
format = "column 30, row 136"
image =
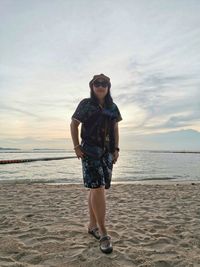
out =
column 5, row 108
column 50, row 51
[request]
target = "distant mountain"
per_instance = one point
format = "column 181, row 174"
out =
column 9, row 148
column 49, row 149
column 182, row 140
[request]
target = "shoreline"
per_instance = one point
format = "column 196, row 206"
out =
column 145, row 182
column 148, row 181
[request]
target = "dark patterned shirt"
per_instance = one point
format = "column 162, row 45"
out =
column 95, row 120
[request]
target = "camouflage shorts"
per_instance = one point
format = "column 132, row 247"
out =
column 97, row 172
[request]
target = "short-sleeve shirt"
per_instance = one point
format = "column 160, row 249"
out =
column 93, row 118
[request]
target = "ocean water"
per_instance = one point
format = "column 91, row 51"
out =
column 132, row 166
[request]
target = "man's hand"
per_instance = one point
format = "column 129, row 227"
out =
column 79, row 152
column 115, row 156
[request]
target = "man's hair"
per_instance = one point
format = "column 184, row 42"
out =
column 108, row 98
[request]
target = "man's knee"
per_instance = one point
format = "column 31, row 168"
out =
column 97, row 189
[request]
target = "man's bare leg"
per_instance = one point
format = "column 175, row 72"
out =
column 98, row 204
column 93, row 222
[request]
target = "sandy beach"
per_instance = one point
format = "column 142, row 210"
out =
column 154, row 225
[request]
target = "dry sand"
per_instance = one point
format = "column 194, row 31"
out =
column 150, row 225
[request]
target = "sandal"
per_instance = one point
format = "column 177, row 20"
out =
column 94, row 231
column 105, row 244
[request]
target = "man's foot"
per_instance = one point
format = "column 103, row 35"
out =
column 105, row 244
column 94, row 231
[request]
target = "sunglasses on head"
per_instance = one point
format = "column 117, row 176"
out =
column 100, row 83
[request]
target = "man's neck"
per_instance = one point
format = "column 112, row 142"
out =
column 102, row 102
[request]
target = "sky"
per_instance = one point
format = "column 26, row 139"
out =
column 50, row 50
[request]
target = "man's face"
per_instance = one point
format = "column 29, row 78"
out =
column 100, row 91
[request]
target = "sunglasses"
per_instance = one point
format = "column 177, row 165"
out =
column 98, row 83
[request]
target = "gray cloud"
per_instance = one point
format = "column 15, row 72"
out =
column 49, row 49
column 154, row 92
column 9, row 109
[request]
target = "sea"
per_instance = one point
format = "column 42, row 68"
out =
column 132, row 166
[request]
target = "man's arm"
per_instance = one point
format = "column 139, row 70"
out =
column 74, row 131
column 116, row 132
column 75, row 137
